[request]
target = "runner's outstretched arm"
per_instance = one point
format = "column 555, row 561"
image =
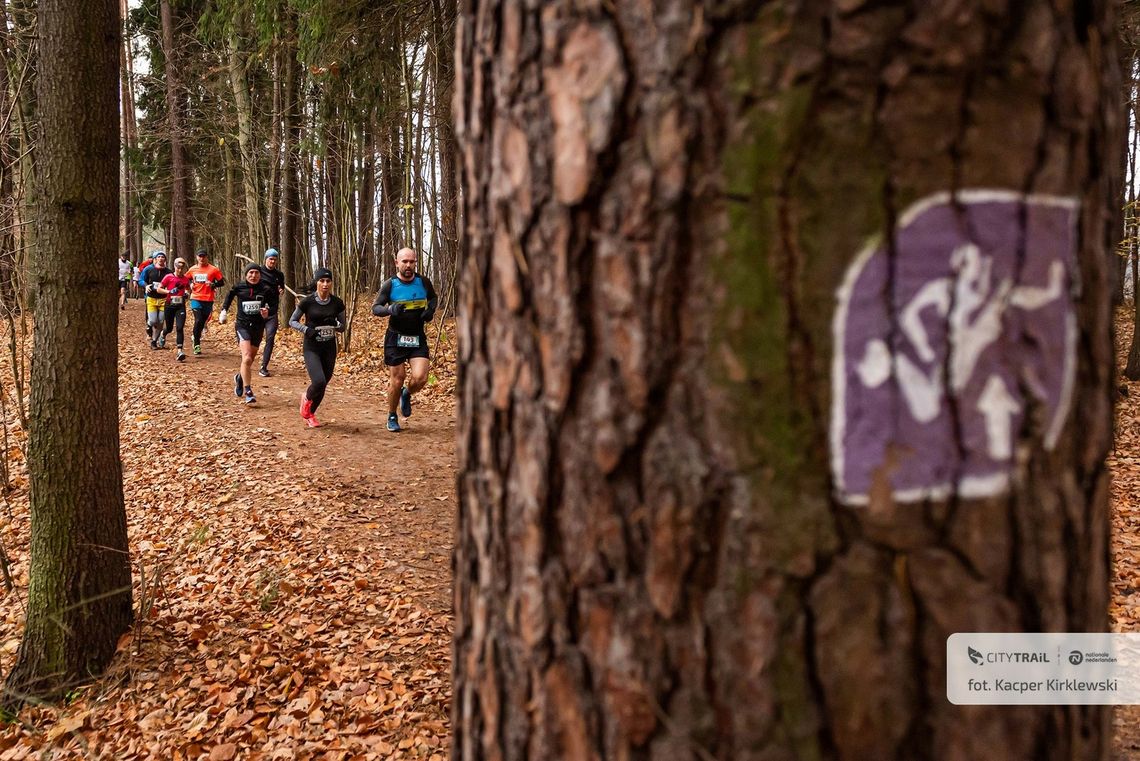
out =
column 296, row 324
column 381, row 307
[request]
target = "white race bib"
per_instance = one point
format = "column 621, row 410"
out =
column 250, row 307
column 408, row 342
column 200, row 278
column 326, row 332
column 175, row 300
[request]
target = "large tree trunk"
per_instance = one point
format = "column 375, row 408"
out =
column 79, row 592
column 666, row 205
column 179, row 174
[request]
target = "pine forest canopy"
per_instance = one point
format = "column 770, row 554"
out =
column 318, row 127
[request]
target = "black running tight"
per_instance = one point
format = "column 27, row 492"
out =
column 176, row 320
column 201, row 316
column 319, row 363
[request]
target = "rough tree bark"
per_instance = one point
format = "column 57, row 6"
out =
column 79, row 591
column 653, row 560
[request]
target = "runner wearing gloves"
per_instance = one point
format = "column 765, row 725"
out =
column 255, row 302
column 409, row 301
column 155, row 302
column 175, row 288
column 324, row 317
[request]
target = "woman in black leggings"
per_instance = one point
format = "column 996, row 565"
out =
column 324, row 318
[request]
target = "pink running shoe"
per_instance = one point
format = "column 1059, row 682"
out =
column 312, row 421
column 306, row 407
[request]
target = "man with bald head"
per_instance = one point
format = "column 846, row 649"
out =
column 408, row 301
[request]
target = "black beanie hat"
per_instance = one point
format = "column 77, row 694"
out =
column 320, row 272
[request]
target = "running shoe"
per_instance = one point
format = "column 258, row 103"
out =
column 162, row 342
column 406, row 402
column 197, row 349
column 249, row 397
column 154, row 344
column 263, row 372
column 238, row 385
column 393, row 423
column 312, row 421
column 181, row 356
column 306, row 407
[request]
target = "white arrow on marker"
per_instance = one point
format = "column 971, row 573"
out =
column 998, row 406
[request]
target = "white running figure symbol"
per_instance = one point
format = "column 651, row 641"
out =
column 974, row 317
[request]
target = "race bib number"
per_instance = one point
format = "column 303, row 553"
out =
column 326, row 332
column 408, row 342
column 175, row 300
column 200, row 278
column 250, row 307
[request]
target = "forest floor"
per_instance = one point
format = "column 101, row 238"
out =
column 293, row 584
column 1124, row 463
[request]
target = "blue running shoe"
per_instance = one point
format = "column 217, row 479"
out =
column 238, row 385
column 406, row 402
column 393, row 423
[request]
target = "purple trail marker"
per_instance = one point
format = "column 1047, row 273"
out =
column 941, row 348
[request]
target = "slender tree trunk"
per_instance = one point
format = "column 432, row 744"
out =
column 126, row 107
column 250, row 177
column 227, row 260
column 79, row 592
column 130, row 145
column 9, row 145
column 25, row 50
column 180, row 243
column 666, row 205
column 367, row 200
column 443, row 16
column 275, row 139
column 291, row 251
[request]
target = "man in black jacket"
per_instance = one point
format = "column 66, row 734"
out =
column 256, row 301
column 271, row 275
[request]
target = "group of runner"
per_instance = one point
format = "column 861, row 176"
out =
column 408, row 300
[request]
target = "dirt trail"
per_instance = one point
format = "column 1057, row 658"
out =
column 391, row 494
column 294, row 583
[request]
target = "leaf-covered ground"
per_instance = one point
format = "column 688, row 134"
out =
column 1124, row 463
column 293, row 584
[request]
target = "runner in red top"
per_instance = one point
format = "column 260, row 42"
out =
column 176, row 288
column 205, row 279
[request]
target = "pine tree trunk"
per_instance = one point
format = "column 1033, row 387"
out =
column 291, row 256
column 443, row 17
column 665, row 208
column 79, row 593
column 179, row 172
column 249, row 176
